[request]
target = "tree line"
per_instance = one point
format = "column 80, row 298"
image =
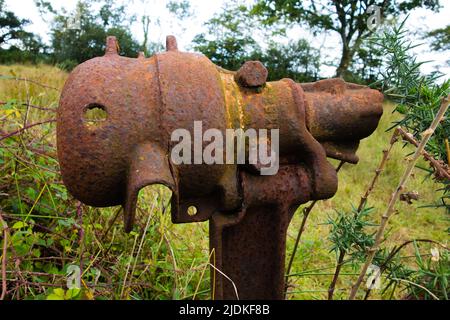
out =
column 237, row 33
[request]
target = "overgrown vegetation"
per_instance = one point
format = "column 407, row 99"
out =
column 417, row 96
column 46, row 233
column 420, row 101
column 49, row 230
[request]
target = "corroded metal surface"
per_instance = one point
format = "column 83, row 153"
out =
column 106, row 163
column 252, row 74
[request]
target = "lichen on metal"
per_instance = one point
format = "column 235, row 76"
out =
column 146, row 99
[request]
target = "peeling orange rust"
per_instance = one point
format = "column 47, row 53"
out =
column 145, row 99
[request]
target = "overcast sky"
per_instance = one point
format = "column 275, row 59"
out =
column 420, row 20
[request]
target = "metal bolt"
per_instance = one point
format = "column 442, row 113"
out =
column 171, row 43
column 112, row 45
column 252, row 74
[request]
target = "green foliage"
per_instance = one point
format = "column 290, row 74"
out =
column 230, row 42
column 427, row 280
column 296, row 60
column 72, row 45
column 61, row 294
column 366, row 64
column 16, row 44
column 11, row 27
column 349, row 232
column 181, row 8
column 441, row 39
column 432, row 275
column 49, row 230
column 418, row 97
column 348, row 18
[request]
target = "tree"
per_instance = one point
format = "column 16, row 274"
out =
column 11, row 27
column 296, row 60
column 16, row 44
column 347, row 18
column 365, row 66
column 441, row 39
column 230, row 41
column 73, row 43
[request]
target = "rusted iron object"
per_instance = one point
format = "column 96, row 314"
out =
column 106, row 163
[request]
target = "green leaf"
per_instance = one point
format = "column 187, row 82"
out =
column 98, row 226
column 72, row 293
column 19, row 225
column 58, row 294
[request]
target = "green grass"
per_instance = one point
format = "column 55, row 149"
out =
column 172, row 261
column 411, row 222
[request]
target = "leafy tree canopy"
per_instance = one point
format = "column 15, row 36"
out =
column 11, row 27
column 348, row 18
column 230, row 41
column 441, row 39
column 79, row 37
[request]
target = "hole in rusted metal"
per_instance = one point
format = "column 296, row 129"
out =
column 192, row 210
column 95, row 114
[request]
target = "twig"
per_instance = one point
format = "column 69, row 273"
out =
column 362, row 203
column 447, row 149
column 417, row 285
column 396, row 250
column 28, row 80
column 441, row 171
column 306, row 212
column 390, row 209
column 81, row 233
column 7, row 135
column 378, row 171
column 25, row 104
column 5, row 228
column 337, row 272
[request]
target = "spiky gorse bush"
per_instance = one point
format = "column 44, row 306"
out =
column 417, row 96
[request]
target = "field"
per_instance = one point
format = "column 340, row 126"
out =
column 159, row 260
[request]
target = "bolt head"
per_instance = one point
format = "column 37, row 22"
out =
column 252, row 74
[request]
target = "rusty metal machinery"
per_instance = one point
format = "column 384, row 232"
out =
column 146, row 99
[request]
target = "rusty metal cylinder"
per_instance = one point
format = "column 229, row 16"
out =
column 336, row 110
column 106, row 161
column 146, row 99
